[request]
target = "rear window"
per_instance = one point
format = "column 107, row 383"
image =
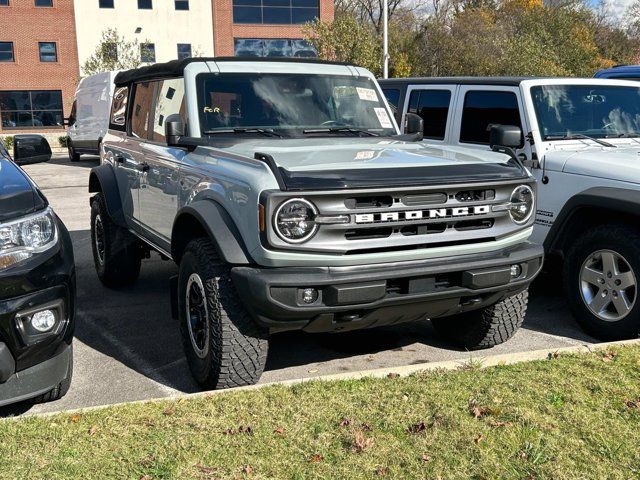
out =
column 485, row 108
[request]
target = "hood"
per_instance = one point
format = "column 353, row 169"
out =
column 18, row 195
column 621, row 163
column 346, row 162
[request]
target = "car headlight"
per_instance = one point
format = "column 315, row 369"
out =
column 522, row 202
column 294, row 220
column 22, row 238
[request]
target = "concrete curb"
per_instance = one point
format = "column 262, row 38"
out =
column 477, row 357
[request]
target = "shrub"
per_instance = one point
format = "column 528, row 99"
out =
column 63, row 141
column 7, row 142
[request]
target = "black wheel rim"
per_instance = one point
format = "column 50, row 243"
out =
column 197, row 315
column 98, row 233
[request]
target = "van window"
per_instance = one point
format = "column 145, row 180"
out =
column 433, row 107
column 484, row 108
column 119, row 108
column 169, row 100
column 141, row 110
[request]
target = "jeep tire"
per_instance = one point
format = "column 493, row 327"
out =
column 601, row 281
column 224, row 347
column 73, row 156
column 486, row 327
column 116, row 252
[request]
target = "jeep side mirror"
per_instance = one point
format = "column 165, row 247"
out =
column 173, row 130
column 30, row 148
column 413, row 125
column 505, row 136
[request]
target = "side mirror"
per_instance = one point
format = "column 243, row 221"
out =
column 30, row 149
column 505, row 137
column 413, row 125
column 68, row 121
column 173, row 130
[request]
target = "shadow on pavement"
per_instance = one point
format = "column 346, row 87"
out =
column 86, row 161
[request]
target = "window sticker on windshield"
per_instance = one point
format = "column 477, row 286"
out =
column 365, row 155
column 368, row 94
column 383, row 118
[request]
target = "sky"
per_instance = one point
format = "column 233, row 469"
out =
column 616, row 8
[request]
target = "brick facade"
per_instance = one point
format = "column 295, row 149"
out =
column 225, row 31
column 25, row 25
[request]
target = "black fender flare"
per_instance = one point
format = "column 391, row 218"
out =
column 218, row 225
column 615, row 199
column 103, row 179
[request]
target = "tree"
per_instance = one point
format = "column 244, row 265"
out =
column 113, row 52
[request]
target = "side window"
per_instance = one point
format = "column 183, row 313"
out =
column 393, row 97
column 169, row 100
column 433, row 107
column 484, row 108
column 119, row 108
column 141, row 110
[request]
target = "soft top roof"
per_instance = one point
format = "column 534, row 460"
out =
column 175, row 68
column 503, row 81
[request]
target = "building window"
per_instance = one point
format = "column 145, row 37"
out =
column 484, row 108
column 110, row 51
column 30, row 108
column 273, row 47
column 105, row 3
column 184, row 50
column 281, row 12
column 44, row 3
column 147, row 52
column 4, row 3
column 48, row 51
column 145, row 4
column 6, row 52
column 182, row 4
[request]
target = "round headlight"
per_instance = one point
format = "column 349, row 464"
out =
column 294, row 220
column 522, row 203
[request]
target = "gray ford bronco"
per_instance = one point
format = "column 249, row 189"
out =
column 289, row 200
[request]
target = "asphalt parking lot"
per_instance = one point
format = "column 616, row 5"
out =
column 127, row 346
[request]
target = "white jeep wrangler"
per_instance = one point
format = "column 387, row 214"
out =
column 581, row 140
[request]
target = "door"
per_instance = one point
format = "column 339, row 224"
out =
column 159, row 187
column 478, row 107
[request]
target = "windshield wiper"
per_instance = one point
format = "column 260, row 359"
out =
column 340, row 130
column 579, row 136
column 262, row 131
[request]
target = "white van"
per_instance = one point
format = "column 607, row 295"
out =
column 89, row 119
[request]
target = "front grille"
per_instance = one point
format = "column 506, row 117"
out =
column 404, row 219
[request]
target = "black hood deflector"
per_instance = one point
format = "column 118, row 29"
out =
column 394, row 177
column 18, row 196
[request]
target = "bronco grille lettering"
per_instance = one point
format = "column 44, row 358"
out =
column 385, row 217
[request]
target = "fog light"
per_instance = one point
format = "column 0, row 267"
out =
column 43, row 321
column 516, row 271
column 309, row 295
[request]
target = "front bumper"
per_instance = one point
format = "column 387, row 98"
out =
column 355, row 297
column 30, row 363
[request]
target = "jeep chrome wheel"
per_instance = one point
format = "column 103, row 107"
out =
column 99, row 238
column 608, row 285
column 197, row 315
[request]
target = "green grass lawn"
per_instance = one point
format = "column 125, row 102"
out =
column 569, row 417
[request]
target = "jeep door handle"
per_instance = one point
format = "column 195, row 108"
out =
column 143, row 167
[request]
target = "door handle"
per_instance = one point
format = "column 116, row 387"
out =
column 143, row 167
column 119, row 158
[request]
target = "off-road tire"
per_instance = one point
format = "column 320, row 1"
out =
column 60, row 390
column 236, row 351
column 119, row 264
column 486, row 327
column 623, row 240
column 73, row 156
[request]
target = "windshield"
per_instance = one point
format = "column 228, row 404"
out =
column 291, row 104
column 597, row 111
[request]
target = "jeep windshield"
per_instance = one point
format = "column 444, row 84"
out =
column 278, row 105
column 568, row 112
